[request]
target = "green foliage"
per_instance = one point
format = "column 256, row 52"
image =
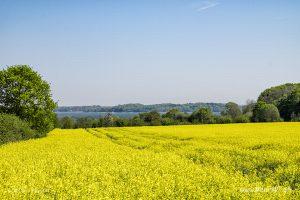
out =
column 182, row 118
column 56, row 121
column 171, row 114
column 121, row 122
column 165, row 107
column 232, row 110
column 86, row 122
column 275, row 94
column 232, row 113
column 242, row 119
column 285, row 97
column 223, row 120
column 202, row 116
column 264, row 112
column 24, row 93
column 289, row 107
column 67, row 123
column 176, row 116
column 248, row 108
column 151, row 118
column 13, row 129
column 168, row 121
column 295, row 118
column 136, row 121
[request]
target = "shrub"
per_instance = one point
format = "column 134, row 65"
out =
column 13, row 129
column 85, row 122
column 264, row 112
column 223, row 119
column 67, row 122
column 242, row 119
column 121, row 122
column 168, row 121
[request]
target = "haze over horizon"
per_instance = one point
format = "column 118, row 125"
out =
column 150, row 52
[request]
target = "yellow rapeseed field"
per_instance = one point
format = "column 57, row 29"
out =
column 235, row 161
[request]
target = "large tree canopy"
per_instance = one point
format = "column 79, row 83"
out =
column 290, row 106
column 264, row 112
column 232, row 109
column 24, row 93
column 275, row 94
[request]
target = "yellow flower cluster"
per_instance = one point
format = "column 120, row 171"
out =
column 234, row 161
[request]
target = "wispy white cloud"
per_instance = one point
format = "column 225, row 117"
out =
column 206, row 5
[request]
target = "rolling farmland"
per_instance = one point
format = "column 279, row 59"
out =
column 231, row 161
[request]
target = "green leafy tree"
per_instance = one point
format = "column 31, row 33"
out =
column 264, row 112
column 67, row 122
column 176, row 116
column 85, row 122
column 203, row 116
column 24, row 93
column 248, row 108
column 171, row 113
column 165, row 121
column 121, row 122
column 295, row 117
column 275, row 94
column 242, row 119
column 136, row 121
column 100, row 122
column 222, row 119
column 56, row 122
column 151, row 118
column 289, row 107
column 232, row 109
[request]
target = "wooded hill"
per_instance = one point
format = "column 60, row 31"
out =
column 188, row 107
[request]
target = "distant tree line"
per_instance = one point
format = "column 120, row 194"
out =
column 280, row 103
column 27, row 109
column 154, row 118
column 188, row 107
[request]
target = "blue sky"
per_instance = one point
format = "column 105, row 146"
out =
column 156, row 51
